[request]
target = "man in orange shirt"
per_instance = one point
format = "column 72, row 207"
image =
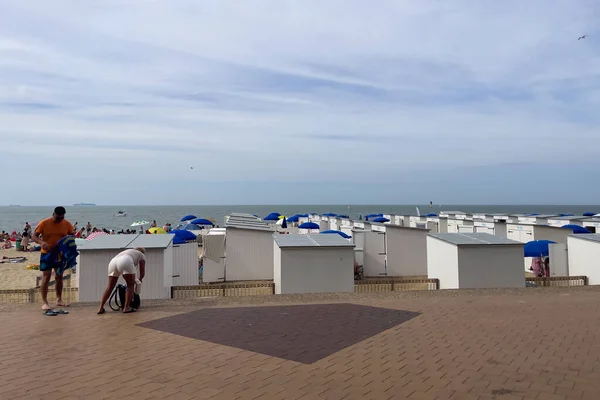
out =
column 47, row 234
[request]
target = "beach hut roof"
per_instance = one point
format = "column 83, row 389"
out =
column 476, row 239
column 248, row 221
column 316, row 240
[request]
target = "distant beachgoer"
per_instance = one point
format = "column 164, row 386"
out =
column 537, row 267
column 547, row 267
column 25, row 241
column 88, row 228
column 27, row 228
column 153, row 224
column 125, row 263
column 47, row 234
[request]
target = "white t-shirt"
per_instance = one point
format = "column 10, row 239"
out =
column 135, row 255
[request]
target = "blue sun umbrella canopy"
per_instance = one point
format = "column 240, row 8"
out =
column 430, row 215
column 182, row 236
column 189, row 227
column 309, row 225
column 330, row 215
column 188, row 218
column 588, row 214
column 537, row 248
column 202, row 221
column 576, row 228
column 368, row 216
column 381, row 219
column 342, row 216
column 274, row 216
column 293, row 218
column 342, row 234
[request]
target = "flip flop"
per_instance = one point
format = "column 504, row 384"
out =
column 101, row 311
column 129, row 311
column 50, row 313
column 61, row 312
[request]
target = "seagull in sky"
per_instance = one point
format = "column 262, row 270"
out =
column 581, row 37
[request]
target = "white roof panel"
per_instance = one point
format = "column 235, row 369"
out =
column 108, row 242
column 313, row 240
column 152, row 241
column 471, row 239
column 248, row 221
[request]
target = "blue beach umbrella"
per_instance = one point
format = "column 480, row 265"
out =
column 330, row 215
column 293, row 218
column 332, row 231
column 202, row 221
column 588, row 214
column 309, row 225
column 381, row 219
column 576, row 228
column 189, row 227
column 342, row 216
column 274, row 216
column 537, row 248
column 185, row 235
column 188, row 218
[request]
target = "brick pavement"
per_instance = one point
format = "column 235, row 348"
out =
column 464, row 347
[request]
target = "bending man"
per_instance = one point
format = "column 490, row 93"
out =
column 125, row 263
column 47, row 234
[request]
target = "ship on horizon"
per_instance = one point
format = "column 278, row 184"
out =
column 83, row 204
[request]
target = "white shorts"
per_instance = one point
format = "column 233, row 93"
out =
column 121, row 265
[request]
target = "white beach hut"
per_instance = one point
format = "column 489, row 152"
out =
column 592, row 224
column 370, row 249
column 185, row 264
column 566, row 220
column 213, row 255
column 313, row 264
column 583, row 255
column 406, row 251
column 95, row 256
column 474, row 260
column 249, row 248
column 526, row 233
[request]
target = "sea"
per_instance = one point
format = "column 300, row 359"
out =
column 14, row 217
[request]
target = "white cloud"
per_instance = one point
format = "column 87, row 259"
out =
column 336, row 90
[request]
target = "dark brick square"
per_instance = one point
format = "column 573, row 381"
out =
column 301, row 333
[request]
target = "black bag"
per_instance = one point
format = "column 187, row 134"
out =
column 119, row 300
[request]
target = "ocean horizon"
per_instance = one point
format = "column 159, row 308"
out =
column 102, row 216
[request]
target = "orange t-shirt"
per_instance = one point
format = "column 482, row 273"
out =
column 52, row 231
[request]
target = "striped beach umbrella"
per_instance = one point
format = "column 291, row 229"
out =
column 95, row 235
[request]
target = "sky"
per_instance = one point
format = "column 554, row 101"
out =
column 287, row 102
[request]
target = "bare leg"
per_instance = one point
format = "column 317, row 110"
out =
column 112, row 281
column 44, row 289
column 59, row 290
column 130, row 280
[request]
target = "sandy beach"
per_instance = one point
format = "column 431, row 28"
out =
column 16, row 275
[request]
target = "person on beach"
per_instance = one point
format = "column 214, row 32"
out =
column 47, row 234
column 125, row 263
